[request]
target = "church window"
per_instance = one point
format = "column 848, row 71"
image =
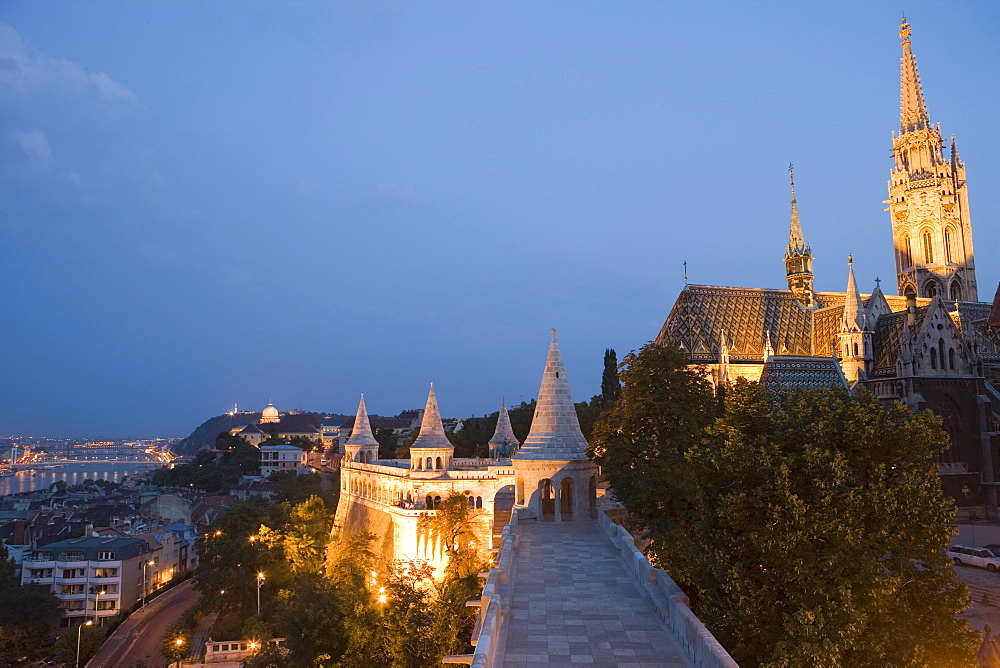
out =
column 928, row 248
column 951, row 358
column 933, row 358
column 947, row 246
column 956, row 291
column 438, row 462
column 908, row 254
column 941, row 352
column 855, row 348
column 479, row 502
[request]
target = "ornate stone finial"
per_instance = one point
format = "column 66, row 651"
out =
column 904, row 30
column 850, row 259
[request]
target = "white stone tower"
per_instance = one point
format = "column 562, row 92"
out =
column 361, row 446
column 432, row 451
column 504, row 443
column 928, row 200
column 555, row 480
column 855, row 337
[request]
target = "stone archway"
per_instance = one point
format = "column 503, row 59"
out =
column 546, row 500
column 503, row 504
column 566, row 500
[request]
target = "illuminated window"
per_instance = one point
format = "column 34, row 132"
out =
column 928, row 248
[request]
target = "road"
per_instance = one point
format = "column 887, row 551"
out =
column 140, row 635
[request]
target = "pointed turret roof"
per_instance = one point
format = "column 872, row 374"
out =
column 796, row 241
column 431, row 429
column 362, row 432
column 504, row 433
column 853, row 311
column 912, row 109
column 555, row 429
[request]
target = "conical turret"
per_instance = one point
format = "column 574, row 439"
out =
column 431, row 428
column 361, row 447
column 361, row 434
column 555, row 430
column 503, row 443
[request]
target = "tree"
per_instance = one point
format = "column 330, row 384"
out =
column 91, row 638
column 28, row 615
column 386, row 443
column 611, row 387
column 641, row 441
column 819, row 529
column 454, row 525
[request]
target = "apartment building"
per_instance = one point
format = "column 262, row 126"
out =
column 93, row 577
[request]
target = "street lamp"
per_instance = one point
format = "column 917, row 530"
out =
column 179, row 642
column 260, row 583
column 97, row 602
column 145, row 590
column 79, row 630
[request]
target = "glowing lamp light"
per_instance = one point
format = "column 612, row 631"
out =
column 382, row 598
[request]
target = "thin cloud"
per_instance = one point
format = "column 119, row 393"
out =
column 25, row 70
column 34, row 143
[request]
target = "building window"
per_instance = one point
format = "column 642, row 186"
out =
column 928, row 248
column 947, row 246
column 956, row 291
column 933, row 358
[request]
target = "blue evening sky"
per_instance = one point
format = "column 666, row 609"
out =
column 204, row 203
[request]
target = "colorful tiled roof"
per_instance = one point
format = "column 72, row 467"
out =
column 795, row 372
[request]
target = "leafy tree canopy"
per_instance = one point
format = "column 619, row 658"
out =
column 808, row 528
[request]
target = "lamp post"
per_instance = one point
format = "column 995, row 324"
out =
column 97, row 602
column 260, row 583
column 179, row 642
column 79, row 630
column 145, row 589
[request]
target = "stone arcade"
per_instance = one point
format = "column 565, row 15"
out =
column 553, row 478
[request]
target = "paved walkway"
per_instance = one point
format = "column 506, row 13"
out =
column 573, row 603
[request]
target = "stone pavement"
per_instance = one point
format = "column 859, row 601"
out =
column 573, row 603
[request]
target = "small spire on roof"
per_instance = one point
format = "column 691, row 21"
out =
column 853, row 319
column 431, row 428
column 503, row 443
column 361, row 434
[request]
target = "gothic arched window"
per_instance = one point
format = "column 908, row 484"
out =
column 930, row 289
column 948, row 257
column 928, row 248
column 956, row 291
column 933, row 358
column 951, row 358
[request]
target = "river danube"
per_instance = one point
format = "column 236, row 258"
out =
column 73, row 473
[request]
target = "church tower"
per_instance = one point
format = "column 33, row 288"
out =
column 928, row 201
column 798, row 257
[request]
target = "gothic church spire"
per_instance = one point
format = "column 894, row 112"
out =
column 912, row 109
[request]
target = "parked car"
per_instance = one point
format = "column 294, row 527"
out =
column 974, row 556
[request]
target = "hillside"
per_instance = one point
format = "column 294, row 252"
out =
column 203, row 438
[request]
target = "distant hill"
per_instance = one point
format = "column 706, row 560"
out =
column 203, row 438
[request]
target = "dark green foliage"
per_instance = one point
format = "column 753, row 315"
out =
column 214, row 472
column 641, row 442
column 310, row 615
column 611, row 387
column 28, row 615
column 819, row 531
column 91, row 638
column 808, row 528
column 295, row 488
column 386, row 443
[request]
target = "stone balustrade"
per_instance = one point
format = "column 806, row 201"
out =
column 698, row 644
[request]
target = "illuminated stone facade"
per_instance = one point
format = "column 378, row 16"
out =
column 387, row 497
